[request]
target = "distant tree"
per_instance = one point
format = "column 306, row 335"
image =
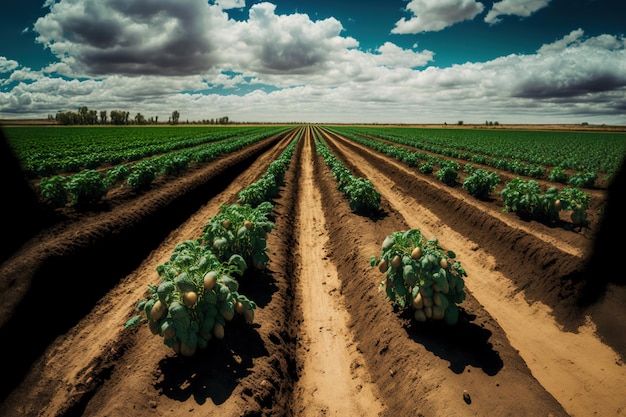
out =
column 83, row 115
column 175, row 117
column 103, row 117
column 119, row 117
column 140, row 119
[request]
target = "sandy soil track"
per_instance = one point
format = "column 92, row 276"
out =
column 325, row 340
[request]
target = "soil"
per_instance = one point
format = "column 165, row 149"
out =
column 541, row 332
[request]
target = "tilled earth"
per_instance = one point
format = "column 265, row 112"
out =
column 541, row 331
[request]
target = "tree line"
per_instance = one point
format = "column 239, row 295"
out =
column 86, row 116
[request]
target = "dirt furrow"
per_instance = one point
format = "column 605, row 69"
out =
column 581, row 372
column 327, row 355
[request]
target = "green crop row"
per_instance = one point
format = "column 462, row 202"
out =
column 268, row 185
column 362, row 195
column 529, row 153
column 45, row 151
column 525, row 198
column 90, row 186
column 199, row 292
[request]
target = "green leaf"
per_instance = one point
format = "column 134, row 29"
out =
column 132, row 322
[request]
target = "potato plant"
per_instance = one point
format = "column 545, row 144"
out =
column 87, row 187
column 198, row 294
column 363, row 197
column 420, row 275
column 527, row 199
column 53, row 190
column 481, row 183
column 240, row 229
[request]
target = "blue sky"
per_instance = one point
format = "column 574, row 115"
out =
column 386, row 61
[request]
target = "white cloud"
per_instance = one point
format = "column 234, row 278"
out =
column 522, row 8
column 7, row 65
column 274, row 44
column 394, row 56
column 575, row 68
column 22, row 74
column 231, row 4
column 435, row 15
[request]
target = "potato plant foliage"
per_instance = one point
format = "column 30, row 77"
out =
column 199, row 291
column 420, row 275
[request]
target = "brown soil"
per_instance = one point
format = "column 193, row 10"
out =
column 541, row 332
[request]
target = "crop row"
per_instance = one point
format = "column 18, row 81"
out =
column 534, row 154
column 44, row 151
column 362, row 195
column 91, row 185
column 524, row 197
column 199, row 289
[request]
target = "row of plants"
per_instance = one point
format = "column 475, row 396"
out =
column 45, row 151
column 199, row 291
column 91, row 185
column 267, row 187
column 523, row 197
column 421, row 276
column 536, row 154
column 362, row 196
column 529, row 201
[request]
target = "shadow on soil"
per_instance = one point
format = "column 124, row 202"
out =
column 213, row 373
column 467, row 344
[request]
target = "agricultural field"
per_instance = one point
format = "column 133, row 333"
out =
column 305, row 270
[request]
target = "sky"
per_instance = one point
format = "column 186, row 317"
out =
column 318, row 61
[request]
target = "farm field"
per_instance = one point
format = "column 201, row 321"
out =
column 540, row 332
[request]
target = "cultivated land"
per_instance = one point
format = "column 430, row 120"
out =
column 535, row 337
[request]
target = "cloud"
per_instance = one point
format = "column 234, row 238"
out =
column 522, row 8
column 435, row 15
column 574, row 67
column 394, row 56
column 231, row 4
column 96, row 37
column 7, row 65
column 167, row 37
column 271, row 43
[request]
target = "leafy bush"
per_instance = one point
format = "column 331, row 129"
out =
column 116, row 174
column 53, row 191
column 557, row 174
column 197, row 296
column 523, row 197
column 481, row 183
column 577, row 201
column 427, row 167
column 362, row 195
column 175, row 164
column 448, row 173
column 527, row 200
column 419, row 274
column 87, row 187
column 240, row 229
column 584, row 180
column 142, row 175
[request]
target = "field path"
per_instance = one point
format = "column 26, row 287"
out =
column 329, row 384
